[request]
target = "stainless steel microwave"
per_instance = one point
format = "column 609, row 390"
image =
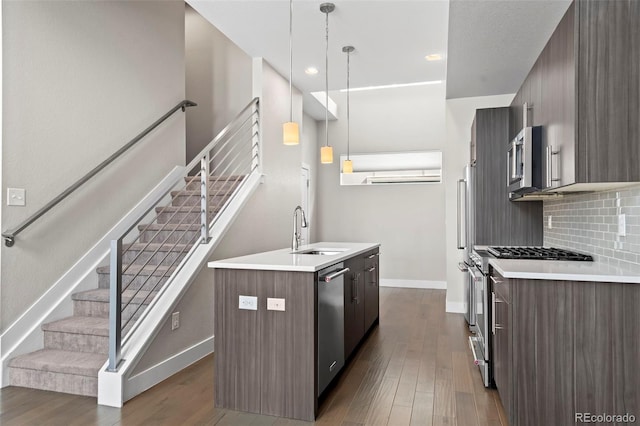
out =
column 524, row 161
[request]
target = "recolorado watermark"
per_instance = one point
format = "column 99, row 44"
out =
column 605, row 418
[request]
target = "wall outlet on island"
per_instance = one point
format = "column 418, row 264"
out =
column 248, row 302
column 275, row 304
column 175, row 321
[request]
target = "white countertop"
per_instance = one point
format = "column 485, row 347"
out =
column 286, row 260
column 564, row 270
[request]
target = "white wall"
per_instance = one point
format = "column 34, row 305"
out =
column 311, row 158
column 406, row 219
column 80, row 80
column 218, row 79
column 459, row 116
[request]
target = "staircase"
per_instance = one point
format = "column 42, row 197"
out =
column 76, row 347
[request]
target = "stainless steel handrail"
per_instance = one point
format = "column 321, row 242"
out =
column 10, row 235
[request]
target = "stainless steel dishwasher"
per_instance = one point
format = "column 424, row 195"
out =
column 330, row 323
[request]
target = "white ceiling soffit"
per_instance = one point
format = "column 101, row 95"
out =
column 494, row 43
column 391, row 38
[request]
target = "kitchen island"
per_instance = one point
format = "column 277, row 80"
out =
column 270, row 322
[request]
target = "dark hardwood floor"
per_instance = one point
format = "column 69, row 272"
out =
column 415, row 368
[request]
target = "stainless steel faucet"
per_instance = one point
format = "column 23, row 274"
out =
column 295, row 242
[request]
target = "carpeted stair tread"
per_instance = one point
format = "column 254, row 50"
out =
column 161, row 247
column 155, row 270
column 58, row 361
column 184, row 209
column 197, row 192
column 95, row 326
column 169, row 227
column 220, row 178
column 102, row 295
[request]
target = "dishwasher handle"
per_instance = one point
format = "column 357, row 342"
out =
column 328, row 278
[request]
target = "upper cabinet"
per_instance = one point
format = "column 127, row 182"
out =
column 584, row 90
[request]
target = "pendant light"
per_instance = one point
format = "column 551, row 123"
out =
column 290, row 130
column 326, row 152
column 347, row 165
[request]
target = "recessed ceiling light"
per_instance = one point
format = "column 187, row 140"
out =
column 433, row 57
column 311, row 71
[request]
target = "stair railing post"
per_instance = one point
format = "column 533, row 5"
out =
column 115, row 301
column 204, row 198
column 256, row 149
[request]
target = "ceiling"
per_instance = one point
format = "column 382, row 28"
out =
column 491, row 46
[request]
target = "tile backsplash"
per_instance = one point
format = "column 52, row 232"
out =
column 589, row 223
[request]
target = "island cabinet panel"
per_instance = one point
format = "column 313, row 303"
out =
column 265, row 360
column 354, row 288
column 607, row 348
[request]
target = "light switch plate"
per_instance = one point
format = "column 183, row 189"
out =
column 274, row 304
column 248, row 302
column 16, row 197
column 175, row 321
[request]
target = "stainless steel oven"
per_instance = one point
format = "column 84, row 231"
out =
column 480, row 343
column 524, row 161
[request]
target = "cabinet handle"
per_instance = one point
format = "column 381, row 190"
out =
column 354, row 289
column 371, row 257
column 550, row 154
column 493, row 313
column 494, row 280
column 373, row 268
column 461, row 245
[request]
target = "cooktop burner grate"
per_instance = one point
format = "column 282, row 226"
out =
column 540, row 253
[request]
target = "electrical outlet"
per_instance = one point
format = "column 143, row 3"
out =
column 550, row 222
column 16, row 197
column 248, row 302
column 274, row 304
column 175, row 321
column 622, row 225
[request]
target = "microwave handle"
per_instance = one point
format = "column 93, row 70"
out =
column 514, row 160
column 461, row 246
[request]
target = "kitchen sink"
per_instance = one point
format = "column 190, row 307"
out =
column 321, row 251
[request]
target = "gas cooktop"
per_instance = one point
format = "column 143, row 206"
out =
column 539, row 253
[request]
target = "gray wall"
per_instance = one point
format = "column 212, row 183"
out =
column 218, row 77
column 589, row 223
column 81, row 79
column 408, row 220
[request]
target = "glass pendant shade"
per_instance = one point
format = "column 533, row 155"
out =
column 347, row 166
column 326, row 155
column 290, row 133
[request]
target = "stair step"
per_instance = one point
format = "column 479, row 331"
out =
column 78, row 334
column 164, row 254
column 95, row 303
column 168, row 232
column 155, row 271
column 216, row 182
column 183, row 215
column 193, row 197
column 57, row 370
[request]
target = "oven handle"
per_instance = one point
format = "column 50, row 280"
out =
column 476, row 360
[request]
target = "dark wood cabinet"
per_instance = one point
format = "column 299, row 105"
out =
column 361, row 298
column 371, row 290
column 501, row 338
column 497, row 220
column 584, row 90
column 353, row 304
column 565, row 347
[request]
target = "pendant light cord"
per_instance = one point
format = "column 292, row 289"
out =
column 326, row 77
column 348, row 120
column 290, row 60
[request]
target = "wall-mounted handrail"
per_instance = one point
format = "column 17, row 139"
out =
column 10, row 235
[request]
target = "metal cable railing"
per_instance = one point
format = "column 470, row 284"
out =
column 149, row 258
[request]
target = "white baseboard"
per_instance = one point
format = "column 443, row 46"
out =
column 153, row 375
column 388, row 282
column 455, row 307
